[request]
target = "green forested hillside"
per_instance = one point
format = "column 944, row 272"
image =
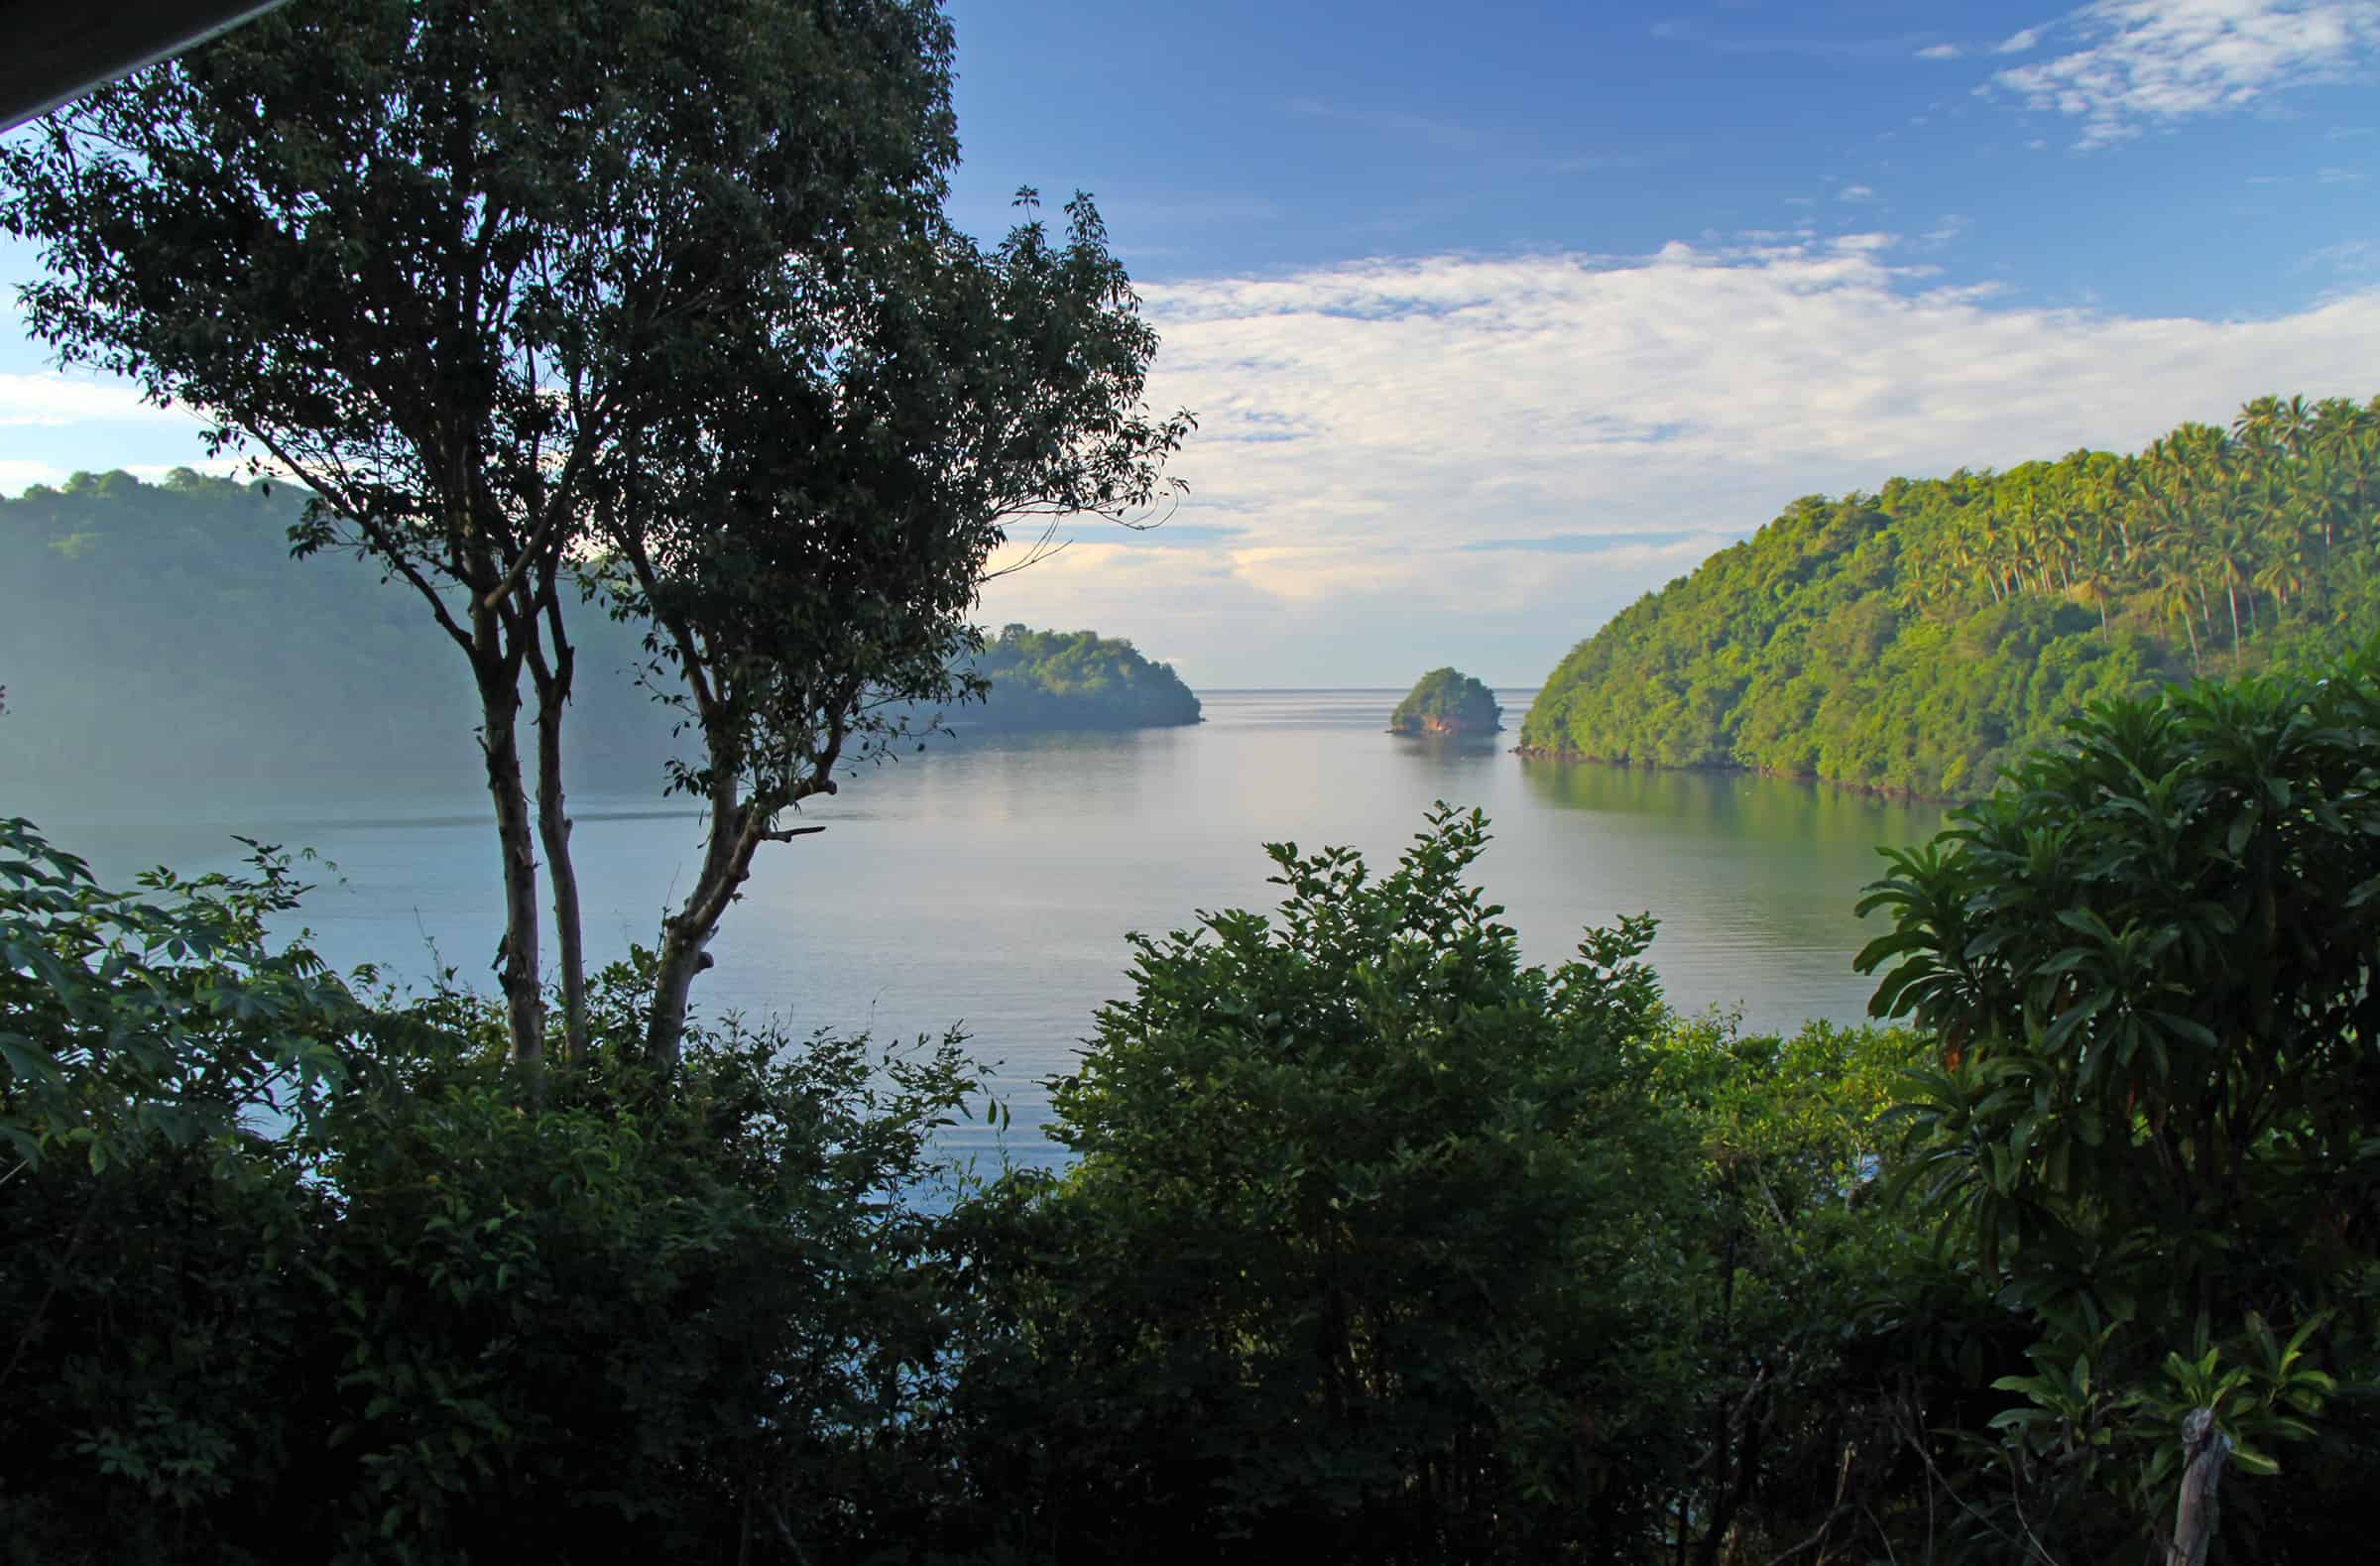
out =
column 1074, row 680
column 157, row 644
column 1920, row 638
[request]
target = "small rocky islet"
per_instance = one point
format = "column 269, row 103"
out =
column 1447, row 703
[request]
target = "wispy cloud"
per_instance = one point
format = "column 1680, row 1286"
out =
column 1178, row 535
column 2348, row 258
column 1854, row 193
column 52, row 401
column 1940, row 52
column 2145, row 62
column 2019, row 42
column 1448, row 415
column 1396, row 122
column 1596, row 542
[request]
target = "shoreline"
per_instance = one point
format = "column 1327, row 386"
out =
column 1738, row 769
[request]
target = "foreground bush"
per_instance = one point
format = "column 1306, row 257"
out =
column 2149, row 961
column 451, row 1313
column 1363, row 1258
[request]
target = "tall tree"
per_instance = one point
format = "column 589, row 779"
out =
column 474, row 272
column 807, row 532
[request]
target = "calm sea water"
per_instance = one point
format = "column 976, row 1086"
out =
column 988, row 884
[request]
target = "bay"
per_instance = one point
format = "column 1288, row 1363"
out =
column 989, row 882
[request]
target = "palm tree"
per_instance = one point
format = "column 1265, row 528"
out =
column 2173, row 599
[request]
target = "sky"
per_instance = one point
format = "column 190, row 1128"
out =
column 1497, row 316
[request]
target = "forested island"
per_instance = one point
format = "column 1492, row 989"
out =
column 1919, row 639
column 1072, row 680
column 1446, row 701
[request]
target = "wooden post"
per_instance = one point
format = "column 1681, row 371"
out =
column 2204, row 1450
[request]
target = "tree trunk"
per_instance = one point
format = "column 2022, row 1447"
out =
column 2203, row 1451
column 499, row 739
column 738, row 827
column 687, row 934
column 554, row 832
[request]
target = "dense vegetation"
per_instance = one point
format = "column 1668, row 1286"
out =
column 1922, row 637
column 1073, row 679
column 1447, row 702
column 1379, row 1245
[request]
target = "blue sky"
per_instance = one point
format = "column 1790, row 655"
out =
column 1497, row 315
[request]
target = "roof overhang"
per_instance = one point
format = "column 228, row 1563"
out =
column 61, row 48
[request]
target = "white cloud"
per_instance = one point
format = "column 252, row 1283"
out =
column 2146, row 63
column 17, row 474
column 2018, row 43
column 1940, row 52
column 1854, row 193
column 1362, row 424
column 56, row 400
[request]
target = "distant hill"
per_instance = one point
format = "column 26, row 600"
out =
column 157, row 644
column 1917, row 639
column 1073, row 679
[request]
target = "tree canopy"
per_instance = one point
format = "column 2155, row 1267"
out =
column 1922, row 638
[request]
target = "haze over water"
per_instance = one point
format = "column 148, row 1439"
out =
column 989, row 883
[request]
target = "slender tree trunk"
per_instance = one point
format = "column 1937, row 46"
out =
column 2232, row 593
column 498, row 740
column 2203, row 1453
column 552, row 683
column 687, row 934
column 738, row 827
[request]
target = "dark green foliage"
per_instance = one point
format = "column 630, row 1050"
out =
column 1073, row 679
column 431, row 1322
column 2149, row 960
column 1825, row 1357
column 158, row 1016
column 1362, row 1260
column 1447, row 702
column 160, row 641
column 1924, row 637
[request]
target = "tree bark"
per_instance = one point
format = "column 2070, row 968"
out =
column 553, row 683
column 2203, row 1453
column 498, row 677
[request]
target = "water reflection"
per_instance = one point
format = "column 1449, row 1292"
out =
column 990, row 881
